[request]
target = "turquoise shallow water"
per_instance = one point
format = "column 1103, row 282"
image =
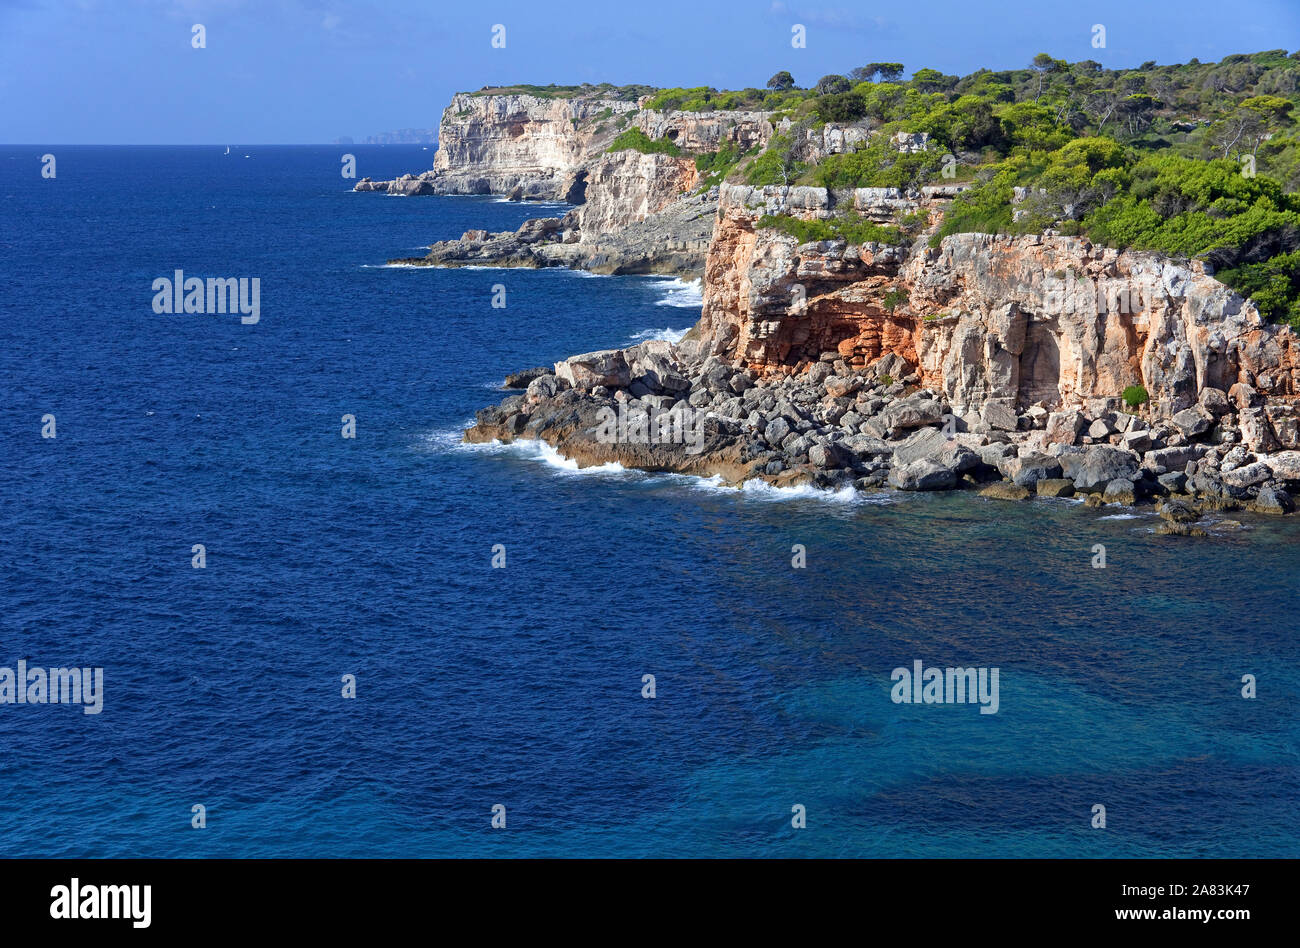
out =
column 522, row 686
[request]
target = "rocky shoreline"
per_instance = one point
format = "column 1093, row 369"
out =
column 673, row 242
column 841, row 343
column 676, row 408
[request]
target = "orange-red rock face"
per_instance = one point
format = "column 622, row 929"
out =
column 1023, row 319
column 774, row 305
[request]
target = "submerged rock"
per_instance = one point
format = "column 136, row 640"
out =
column 1055, row 487
column 1001, row 490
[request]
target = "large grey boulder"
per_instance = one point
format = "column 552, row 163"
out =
column 825, row 455
column 1000, row 414
column 1120, row 491
column 1273, row 500
column 1192, row 422
column 1285, row 465
column 865, row 446
column 1094, row 467
column 1029, row 469
column 925, row 474
column 914, row 411
column 1247, row 475
column 933, row 444
column 777, row 430
column 605, row 367
column 1173, row 459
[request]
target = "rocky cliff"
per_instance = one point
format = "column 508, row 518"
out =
column 520, row 145
column 1020, row 366
column 707, row 131
column 634, row 212
column 997, row 324
column 640, row 213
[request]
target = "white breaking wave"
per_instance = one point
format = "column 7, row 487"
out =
column 761, row 490
column 450, row 440
column 555, row 459
column 531, row 450
column 679, row 292
column 671, row 335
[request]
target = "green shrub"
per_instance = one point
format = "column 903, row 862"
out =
column 877, row 165
column 894, row 298
column 1135, row 395
column 714, row 166
column 1273, row 285
column 637, row 140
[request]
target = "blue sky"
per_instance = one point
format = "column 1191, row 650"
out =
column 307, row 71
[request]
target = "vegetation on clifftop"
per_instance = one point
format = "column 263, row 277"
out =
column 605, row 90
column 1198, row 160
column 637, row 140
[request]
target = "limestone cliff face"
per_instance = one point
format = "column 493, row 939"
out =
column 639, row 214
column 635, row 213
column 521, row 145
column 776, row 305
column 626, row 187
column 707, row 131
column 1022, row 320
column 495, row 143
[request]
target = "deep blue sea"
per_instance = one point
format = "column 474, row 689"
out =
column 522, row 686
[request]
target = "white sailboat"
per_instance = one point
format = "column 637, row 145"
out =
column 227, row 149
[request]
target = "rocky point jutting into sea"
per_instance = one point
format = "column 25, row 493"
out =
column 997, row 363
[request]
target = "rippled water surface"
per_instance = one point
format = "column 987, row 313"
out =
column 522, row 686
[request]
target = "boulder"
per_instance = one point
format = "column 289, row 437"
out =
column 819, row 373
column 994, row 455
column 1192, row 422
column 1055, row 487
column 1180, row 530
column 542, row 388
column 914, row 411
column 1173, row 459
column 1176, row 511
column 1096, row 466
column 1001, row 490
column 1215, row 402
column 925, row 474
column 777, row 430
column 999, row 414
column 1030, row 468
column 865, row 446
column 1100, row 429
column 1175, row 482
column 1138, row 441
column 824, row 455
column 1273, row 500
column 1285, row 465
column 716, row 378
column 1063, row 427
column 1247, row 475
column 838, row 387
column 933, row 444
column 524, row 379
column 605, row 367
column 1120, row 491
column 1256, row 431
